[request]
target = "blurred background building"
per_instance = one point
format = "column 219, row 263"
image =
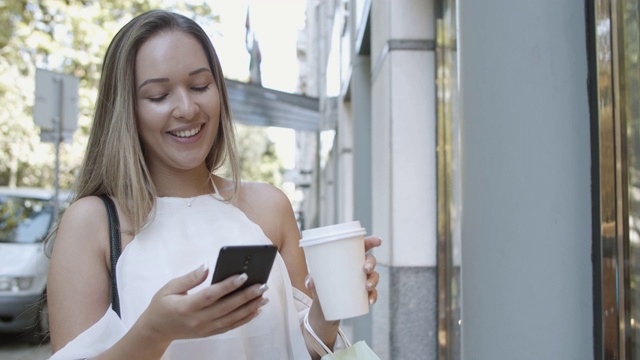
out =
column 371, row 64
column 493, row 146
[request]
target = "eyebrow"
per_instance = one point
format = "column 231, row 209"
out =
column 157, row 80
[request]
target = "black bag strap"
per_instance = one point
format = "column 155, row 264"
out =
column 116, row 248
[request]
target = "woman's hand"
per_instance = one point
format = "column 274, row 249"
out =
column 327, row 330
column 175, row 314
column 373, row 277
column 369, row 266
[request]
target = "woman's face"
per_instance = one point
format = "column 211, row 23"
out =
column 178, row 102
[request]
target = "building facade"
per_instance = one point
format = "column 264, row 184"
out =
column 372, row 66
column 493, row 146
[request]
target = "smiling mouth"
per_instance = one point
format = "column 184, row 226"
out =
column 186, row 133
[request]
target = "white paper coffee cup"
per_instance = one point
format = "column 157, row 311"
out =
column 335, row 259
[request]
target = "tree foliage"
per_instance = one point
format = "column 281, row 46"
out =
column 258, row 158
column 64, row 36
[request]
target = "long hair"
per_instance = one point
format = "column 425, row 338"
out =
column 114, row 162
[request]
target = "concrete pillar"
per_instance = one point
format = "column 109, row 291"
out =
column 526, row 214
column 403, row 176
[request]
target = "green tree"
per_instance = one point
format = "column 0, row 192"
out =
column 258, row 158
column 66, row 36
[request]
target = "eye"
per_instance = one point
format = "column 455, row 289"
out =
column 201, row 88
column 157, row 98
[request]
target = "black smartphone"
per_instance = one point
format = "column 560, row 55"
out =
column 254, row 260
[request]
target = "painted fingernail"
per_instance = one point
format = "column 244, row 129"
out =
column 240, row 279
column 201, row 270
column 265, row 301
column 263, row 288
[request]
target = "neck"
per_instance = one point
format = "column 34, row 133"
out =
column 188, row 183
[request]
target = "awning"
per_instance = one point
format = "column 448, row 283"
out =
column 255, row 105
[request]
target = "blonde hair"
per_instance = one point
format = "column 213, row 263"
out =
column 114, row 162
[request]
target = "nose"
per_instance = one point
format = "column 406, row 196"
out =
column 185, row 107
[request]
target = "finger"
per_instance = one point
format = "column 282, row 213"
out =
column 244, row 296
column 309, row 284
column 184, row 283
column 373, row 297
column 372, row 281
column 237, row 316
column 238, row 323
column 369, row 263
column 371, row 241
column 216, row 291
column 238, row 300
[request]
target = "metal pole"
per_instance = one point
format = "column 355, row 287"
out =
column 58, row 139
column 318, row 190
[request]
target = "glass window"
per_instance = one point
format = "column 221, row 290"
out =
column 628, row 43
column 24, row 220
column 616, row 70
column 449, row 204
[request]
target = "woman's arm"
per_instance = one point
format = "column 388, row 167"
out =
column 78, row 289
column 270, row 208
column 79, row 293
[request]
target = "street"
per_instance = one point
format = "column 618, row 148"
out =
column 13, row 348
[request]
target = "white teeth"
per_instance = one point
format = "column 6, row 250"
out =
column 186, row 133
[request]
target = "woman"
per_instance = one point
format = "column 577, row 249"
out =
column 162, row 129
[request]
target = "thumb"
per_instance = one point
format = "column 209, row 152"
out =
column 309, row 284
column 188, row 281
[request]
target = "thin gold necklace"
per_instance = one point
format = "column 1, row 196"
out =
column 192, row 200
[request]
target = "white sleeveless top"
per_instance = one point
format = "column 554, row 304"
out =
column 180, row 238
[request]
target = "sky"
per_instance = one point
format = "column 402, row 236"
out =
column 276, row 24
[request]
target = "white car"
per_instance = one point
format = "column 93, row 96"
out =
column 26, row 217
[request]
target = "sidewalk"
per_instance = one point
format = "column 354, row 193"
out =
column 12, row 348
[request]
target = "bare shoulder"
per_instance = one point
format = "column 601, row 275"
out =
column 83, row 234
column 86, row 207
column 269, row 207
column 85, row 216
column 259, row 194
column 274, row 213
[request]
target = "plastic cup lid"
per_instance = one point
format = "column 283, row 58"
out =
column 330, row 233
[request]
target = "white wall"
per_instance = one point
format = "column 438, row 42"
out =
column 403, row 134
column 403, row 180
column 526, row 222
